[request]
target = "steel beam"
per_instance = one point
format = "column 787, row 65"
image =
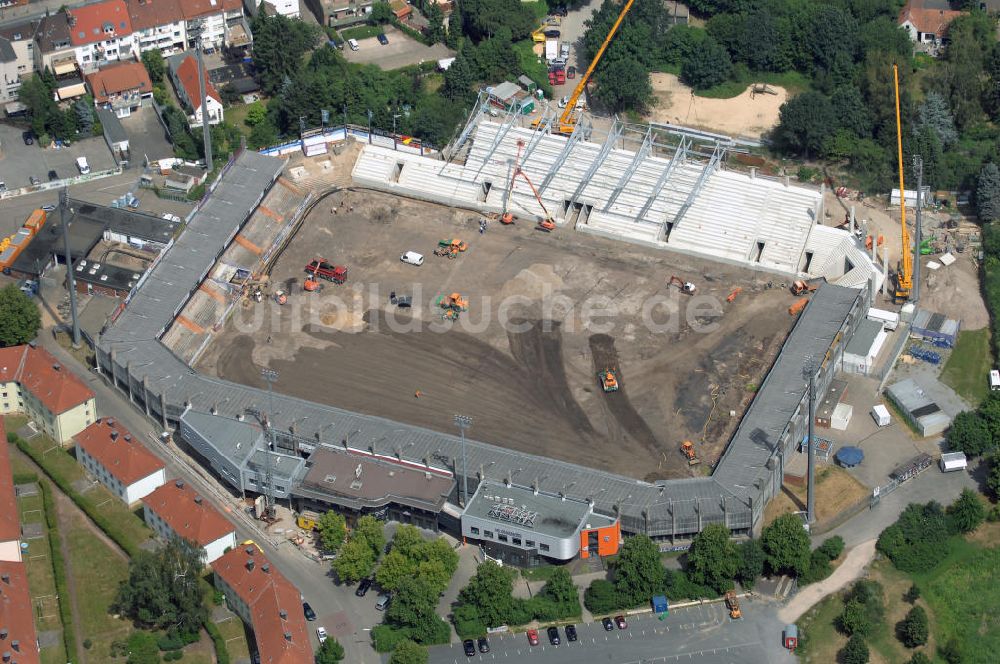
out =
column 548, row 116
column 477, row 112
column 509, row 121
column 609, row 145
column 680, row 154
column 644, row 150
column 571, row 142
column 710, row 167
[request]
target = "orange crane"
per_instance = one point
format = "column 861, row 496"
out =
column 904, row 268
column 567, row 121
column 547, row 224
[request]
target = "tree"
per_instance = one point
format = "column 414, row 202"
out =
column 993, row 476
column 355, row 561
column 623, row 85
column 832, row 547
column 454, row 36
column 482, row 19
column 851, row 111
column 918, row 539
column 913, row 594
column 601, row 597
column 83, row 109
column 408, row 652
column 935, row 114
column 919, row 658
column 914, row 629
column 381, row 13
column 490, row 590
column 435, row 23
column 854, row 619
column 155, row 66
column 967, row 512
column 706, row 67
column 805, row 121
column 162, row 590
column 854, row 652
column 751, row 563
column 256, row 113
column 372, row 531
column 19, row 317
column 560, row 587
column 414, row 611
column 786, row 545
column 394, row 568
column 951, row 651
column 713, row 558
column 332, row 526
column 330, row 652
column 638, row 573
column 988, row 193
column 970, row 433
column 279, row 44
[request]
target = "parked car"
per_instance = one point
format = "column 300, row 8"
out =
column 363, row 587
column 383, row 602
column 308, row 611
column 620, row 621
column 382, row 39
column 608, row 625
column 28, row 137
column 533, row 637
column 353, row 43
column 470, row 648
column 34, row 181
column 571, row 72
column 553, row 634
column 484, row 645
column 413, row 258
column 321, row 634
column 552, row 34
column 571, row 633
column 49, row 208
column 53, row 176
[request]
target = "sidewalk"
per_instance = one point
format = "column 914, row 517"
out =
column 852, row 568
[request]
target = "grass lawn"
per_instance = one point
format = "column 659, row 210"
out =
column 236, row 638
column 792, row 81
column 236, row 114
column 361, row 32
column 533, row 66
column 819, row 640
column 836, row 491
column 968, row 367
column 97, row 571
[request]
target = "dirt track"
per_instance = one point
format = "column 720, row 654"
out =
column 529, row 384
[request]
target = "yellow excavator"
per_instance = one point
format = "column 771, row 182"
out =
column 904, row 268
column 567, row 121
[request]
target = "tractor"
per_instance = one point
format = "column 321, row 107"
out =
column 609, row 382
column 687, row 449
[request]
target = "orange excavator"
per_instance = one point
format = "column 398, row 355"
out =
column 312, row 284
column 687, row 449
column 686, row 287
column 797, row 308
column 507, row 217
column 609, row 382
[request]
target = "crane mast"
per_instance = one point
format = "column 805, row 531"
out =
column 904, row 269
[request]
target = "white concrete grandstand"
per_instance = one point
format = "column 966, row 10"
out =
column 671, row 191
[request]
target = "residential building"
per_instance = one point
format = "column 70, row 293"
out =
column 110, row 454
column 10, row 523
column 18, row 638
column 267, row 602
column 158, row 24
column 120, row 87
column 401, row 10
column 33, row 382
column 209, row 21
column 176, row 510
column 289, row 8
column 100, row 33
column 184, row 74
column 340, row 12
column 926, row 21
column 53, row 48
column 17, row 57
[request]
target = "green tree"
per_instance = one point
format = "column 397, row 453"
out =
column 435, row 23
column 394, row 568
column 381, row 13
column 971, row 38
column 706, row 67
column 19, row 317
column 914, row 628
column 155, row 66
column 256, row 113
column 638, row 572
column 912, row 594
column 560, row 587
column 854, row 619
column 263, row 135
column 601, row 597
column 332, row 526
column 951, row 651
column 805, row 122
column 355, row 561
column 624, row 85
column 454, row 36
column 885, row 35
column 967, row 512
column 713, row 558
column 915, row 542
column 832, row 547
column 482, row 19
column 752, row 559
column 786, row 545
column 372, row 531
column 408, row 652
column 330, row 652
column 162, row 590
column 414, row 611
column 970, row 433
column 993, row 476
column 491, row 590
column 279, row 45
column 919, row 658
column 988, row 193
column 854, row 652
column 935, row 114
column 408, row 541
column 851, row 111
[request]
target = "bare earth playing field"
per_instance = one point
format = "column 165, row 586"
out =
column 748, row 115
column 529, row 384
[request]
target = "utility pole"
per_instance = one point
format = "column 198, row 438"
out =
column 206, row 131
column 918, row 166
column 70, row 281
column 463, row 422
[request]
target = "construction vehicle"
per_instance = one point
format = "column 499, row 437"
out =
column 733, row 604
column 732, row 296
column 609, row 382
column 450, row 248
column 452, row 304
column 320, row 268
column 567, row 121
column 280, row 297
column 307, row 520
column 686, row 286
column 547, row 224
column 800, row 287
column 311, row 284
column 687, row 449
column 797, row 308
column 904, row 269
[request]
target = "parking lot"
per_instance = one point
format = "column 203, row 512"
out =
column 18, row 161
column 399, row 52
column 701, row 633
column 146, row 136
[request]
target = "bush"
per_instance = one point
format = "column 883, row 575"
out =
column 913, row 630
column 951, row 652
column 919, row 658
column 601, row 597
column 219, row 643
column 919, row 539
column 58, row 563
column 855, row 652
column 819, row 568
column 913, row 594
column 863, row 609
column 832, row 547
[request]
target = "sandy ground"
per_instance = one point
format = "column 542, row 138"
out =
column 748, row 115
column 853, row 566
column 836, row 490
column 532, row 387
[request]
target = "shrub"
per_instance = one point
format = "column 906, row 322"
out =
column 855, row 652
column 600, row 597
column 88, row 644
column 219, row 643
column 951, row 652
column 913, row 594
column 913, row 629
column 919, row 658
column 832, row 547
column 919, row 539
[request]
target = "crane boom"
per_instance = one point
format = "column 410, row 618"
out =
column 904, row 269
column 568, row 118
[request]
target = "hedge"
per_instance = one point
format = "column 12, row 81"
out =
column 58, row 570
column 221, row 654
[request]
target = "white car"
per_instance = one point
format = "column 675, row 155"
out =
column 412, row 258
column 321, row 634
column 563, row 102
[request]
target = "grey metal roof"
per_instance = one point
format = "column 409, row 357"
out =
column 519, row 506
column 863, row 338
column 242, row 443
column 7, row 53
column 744, row 462
column 113, row 129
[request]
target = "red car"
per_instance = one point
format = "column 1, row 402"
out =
column 324, row 270
column 571, row 72
column 533, row 637
column 620, row 621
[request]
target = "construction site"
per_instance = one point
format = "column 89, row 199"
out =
column 545, row 314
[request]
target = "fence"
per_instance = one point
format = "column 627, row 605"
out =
column 338, row 133
column 59, row 184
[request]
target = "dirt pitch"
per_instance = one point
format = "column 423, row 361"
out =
column 529, row 385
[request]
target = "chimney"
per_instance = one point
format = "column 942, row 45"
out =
column 250, row 564
column 16, row 645
column 283, row 614
column 56, row 367
column 5, row 578
column 6, row 655
column 197, row 500
column 3, row 633
column 111, row 421
column 265, row 568
column 128, row 438
column 179, row 484
column 249, row 550
column 114, row 435
column 288, row 636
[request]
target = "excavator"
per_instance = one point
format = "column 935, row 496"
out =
column 547, row 224
column 312, row 284
column 687, row 449
column 568, row 119
column 686, row 287
column 904, row 269
column 803, row 287
column 609, row 382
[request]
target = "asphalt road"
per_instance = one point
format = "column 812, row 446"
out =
column 702, row 634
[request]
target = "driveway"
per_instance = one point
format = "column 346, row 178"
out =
column 401, row 51
column 146, row 136
column 19, row 161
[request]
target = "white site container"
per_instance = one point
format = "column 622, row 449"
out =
column 881, row 415
column 841, row 416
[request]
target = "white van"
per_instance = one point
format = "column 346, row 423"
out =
column 889, row 319
column 383, row 602
column 994, row 380
column 413, row 258
column 353, row 43
column 81, row 163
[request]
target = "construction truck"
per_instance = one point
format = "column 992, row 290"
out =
column 280, row 297
column 307, row 520
column 797, row 308
column 733, row 604
column 453, row 305
column 800, row 287
column 320, row 268
column 687, row 449
column 450, row 248
column 686, row 287
column 609, row 382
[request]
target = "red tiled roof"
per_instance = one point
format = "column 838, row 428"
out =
column 119, row 78
column 932, row 19
column 16, row 613
column 189, row 516
column 147, row 14
column 114, row 448
column 10, row 524
column 187, row 74
column 194, row 8
column 88, row 24
column 41, row 374
column 275, row 605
